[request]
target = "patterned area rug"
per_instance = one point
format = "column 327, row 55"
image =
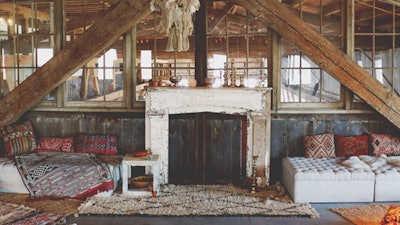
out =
column 13, row 214
column 199, row 200
column 363, row 215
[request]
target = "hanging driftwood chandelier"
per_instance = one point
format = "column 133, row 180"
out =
column 176, row 21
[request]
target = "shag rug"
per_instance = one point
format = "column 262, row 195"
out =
column 13, row 214
column 199, row 200
column 363, row 215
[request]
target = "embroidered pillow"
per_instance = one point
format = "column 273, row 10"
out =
column 103, row 144
column 351, row 145
column 18, row 138
column 384, row 144
column 319, row 146
column 56, row 144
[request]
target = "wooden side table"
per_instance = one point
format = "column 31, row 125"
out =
column 128, row 162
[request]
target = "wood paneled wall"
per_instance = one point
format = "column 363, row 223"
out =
column 286, row 134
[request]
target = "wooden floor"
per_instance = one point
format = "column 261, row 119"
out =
column 325, row 217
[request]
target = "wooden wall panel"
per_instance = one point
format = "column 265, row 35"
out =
column 286, row 132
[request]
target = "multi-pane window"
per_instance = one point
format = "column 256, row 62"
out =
column 101, row 79
column 237, row 46
column 26, row 40
column 302, row 81
column 158, row 65
column 376, row 35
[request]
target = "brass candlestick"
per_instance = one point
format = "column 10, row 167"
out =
column 254, row 176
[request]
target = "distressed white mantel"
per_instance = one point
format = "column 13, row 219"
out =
column 252, row 102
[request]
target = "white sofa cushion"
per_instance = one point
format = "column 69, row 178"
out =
column 326, row 180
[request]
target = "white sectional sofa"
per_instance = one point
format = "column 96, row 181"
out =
column 371, row 179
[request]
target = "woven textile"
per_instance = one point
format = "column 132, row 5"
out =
column 385, row 144
column 56, row 144
column 13, row 214
column 18, row 138
column 59, row 174
column 351, row 145
column 319, row 146
column 103, row 144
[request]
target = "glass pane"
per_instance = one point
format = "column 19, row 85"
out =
column 237, row 49
column 331, row 18
column 364, row 17
column 237, row 21
column 363, row 51
column 256, row 26
column 330, row 88
column 396, row 86
column 310, row 81
column 258, row 46
column 384, row 18
column 216, row 17
column 290, row 81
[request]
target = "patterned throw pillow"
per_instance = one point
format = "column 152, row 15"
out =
column 351, row 145
column 18, row 138
column 384, row 144
column 319, row 146
column 103, row 144
column 56, row 144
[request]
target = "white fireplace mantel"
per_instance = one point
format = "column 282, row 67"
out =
column 252, row 102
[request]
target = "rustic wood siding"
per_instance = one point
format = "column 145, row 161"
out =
column 286, row 130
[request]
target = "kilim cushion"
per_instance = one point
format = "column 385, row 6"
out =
column 319, row 146
column 56, row 144
column 103, row 144
column 18, row 138
column 351, row 145
column 384, row 144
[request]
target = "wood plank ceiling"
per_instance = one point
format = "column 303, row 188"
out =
column 277, row 15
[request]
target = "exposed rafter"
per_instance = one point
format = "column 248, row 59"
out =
column 327, row 56
column 105, row 31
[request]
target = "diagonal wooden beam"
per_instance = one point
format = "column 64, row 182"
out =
column 104, row 32
column 327, row 56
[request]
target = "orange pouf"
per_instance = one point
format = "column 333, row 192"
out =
column 392, row 216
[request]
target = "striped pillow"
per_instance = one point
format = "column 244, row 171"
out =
column 18, row 138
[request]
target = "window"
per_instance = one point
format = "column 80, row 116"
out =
column 302, row 81
column 152, row 57
column 237, row 46
column 26, row 41
column 377, row 40
column 101, row 80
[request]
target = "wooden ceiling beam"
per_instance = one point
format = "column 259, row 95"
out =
column 105, row 31
column 25, row 11
column 327, row 56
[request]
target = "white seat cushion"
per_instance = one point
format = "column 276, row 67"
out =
column 326, row 180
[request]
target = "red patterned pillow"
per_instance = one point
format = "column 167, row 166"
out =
column 103, row 144
column 384, row 144
column 351, row 145
column 56, row 144
column 319, row 146
column 18, row 138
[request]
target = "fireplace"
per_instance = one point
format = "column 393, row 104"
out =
column 254, row 103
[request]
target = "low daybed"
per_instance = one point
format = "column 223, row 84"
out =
column 74, row 167
column 345, row 169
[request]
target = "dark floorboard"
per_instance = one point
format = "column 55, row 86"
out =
column 325, row 217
